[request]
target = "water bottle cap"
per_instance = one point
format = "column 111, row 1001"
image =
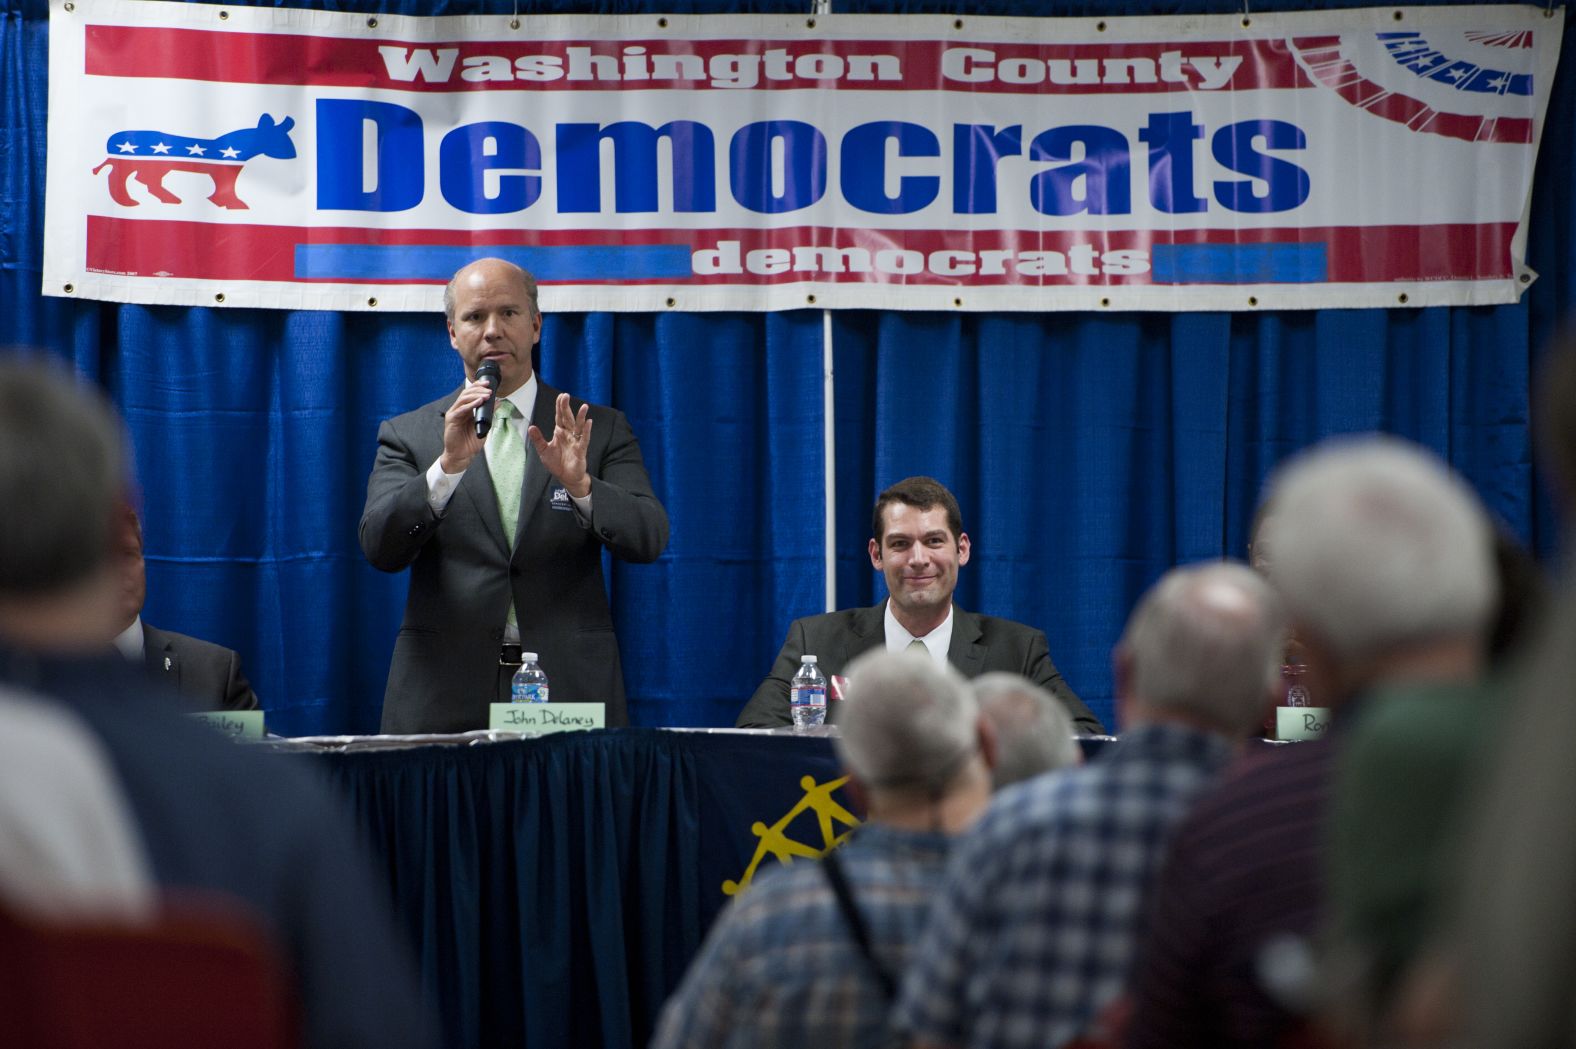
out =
column 528, row 657
column 807, row 659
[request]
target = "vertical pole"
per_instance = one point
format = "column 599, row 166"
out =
column 829, row 450
column 828, row 415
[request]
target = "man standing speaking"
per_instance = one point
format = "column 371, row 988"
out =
column 503, row 533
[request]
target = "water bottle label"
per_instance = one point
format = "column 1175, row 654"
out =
column 530, row 694
column 807, row 705
column 808, row 696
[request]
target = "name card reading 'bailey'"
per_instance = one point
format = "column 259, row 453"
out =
column 547, row 717
column 246, row 725
column 1301, row 722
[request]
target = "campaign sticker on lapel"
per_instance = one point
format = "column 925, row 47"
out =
column 244, row 725
column 559, row 499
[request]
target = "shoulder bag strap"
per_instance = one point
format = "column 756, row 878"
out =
column 856, row 923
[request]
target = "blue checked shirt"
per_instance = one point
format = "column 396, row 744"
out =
column 1033, row 932
column 780, row 969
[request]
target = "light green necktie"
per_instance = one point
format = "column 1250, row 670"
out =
column 506, row 463
column 917, row 645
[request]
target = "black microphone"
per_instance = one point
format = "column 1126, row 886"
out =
column 489, row 374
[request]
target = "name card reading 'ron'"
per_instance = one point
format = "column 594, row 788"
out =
column 1301, row 722
column 547, row 717
column 246, row 725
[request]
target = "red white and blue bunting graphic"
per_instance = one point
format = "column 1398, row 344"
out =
column 281, row 158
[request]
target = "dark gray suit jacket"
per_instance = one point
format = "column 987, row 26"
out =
column 207, row 674
column 463, row 574
column 979, row 644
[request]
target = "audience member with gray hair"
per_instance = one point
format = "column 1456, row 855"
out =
column 212, row 819
column 1033, row 730
column 1453, row 857
column 1380, row 552
column 907, row 731
column 1032, row 935
column 1384, row 560
column 784, row 965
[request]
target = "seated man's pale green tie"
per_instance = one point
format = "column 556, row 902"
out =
column 917, row 645
column 506, row 463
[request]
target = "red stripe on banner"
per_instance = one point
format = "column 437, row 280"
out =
column 1515, row 130
column 1356, row 254
column 1010, row 68
column 1361, row 92
column 1400, row 108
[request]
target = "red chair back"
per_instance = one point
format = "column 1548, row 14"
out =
column 201, row 976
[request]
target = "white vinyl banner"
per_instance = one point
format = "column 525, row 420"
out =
column 270, row 157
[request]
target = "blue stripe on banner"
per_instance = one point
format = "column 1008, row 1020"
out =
column 1240, row 264
column 420, row 262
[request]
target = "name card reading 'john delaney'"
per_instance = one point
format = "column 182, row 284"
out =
column 237, row 724
column 547, row 717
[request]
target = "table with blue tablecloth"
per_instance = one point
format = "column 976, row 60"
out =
column 556, row 888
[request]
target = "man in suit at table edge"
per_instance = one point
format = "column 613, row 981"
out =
column 571, row 476
column 918, row 546
column 205, row 674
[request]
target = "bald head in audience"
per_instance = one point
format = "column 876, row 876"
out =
column 1203, row 647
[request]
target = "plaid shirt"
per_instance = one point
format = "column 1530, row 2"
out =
column 780, row 969
column 1033, row 932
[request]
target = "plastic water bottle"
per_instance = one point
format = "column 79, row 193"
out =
column 530, row 681
column 807, row 694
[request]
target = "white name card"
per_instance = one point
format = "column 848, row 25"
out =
column 547, row 717
column 1301, row 722
column 245, row 725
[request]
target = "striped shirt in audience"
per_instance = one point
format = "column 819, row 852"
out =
column 1033, row 933
column 780, row 968
column 1242, row 888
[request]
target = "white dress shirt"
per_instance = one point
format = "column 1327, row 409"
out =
column 131, row 642
column 936, row 642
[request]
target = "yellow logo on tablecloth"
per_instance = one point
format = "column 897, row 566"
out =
column 774, row 840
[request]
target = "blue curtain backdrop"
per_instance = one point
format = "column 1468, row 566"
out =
column 1090, row 452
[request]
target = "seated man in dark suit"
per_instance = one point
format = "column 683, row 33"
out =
column 206, row 674
column 919, row 545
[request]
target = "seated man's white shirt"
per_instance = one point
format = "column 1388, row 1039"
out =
column 131, row 642
column 937, row 642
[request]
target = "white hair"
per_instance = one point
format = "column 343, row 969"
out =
column 1034, row 732
column 1377, row 544
column 906, row 723
column 1206, row 640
